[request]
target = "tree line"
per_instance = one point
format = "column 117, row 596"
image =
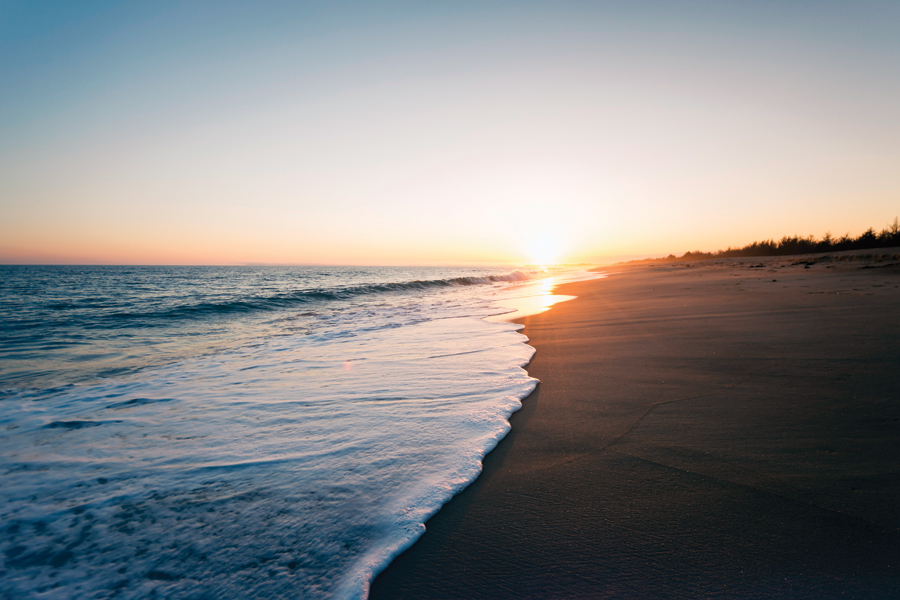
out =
column 869, row 239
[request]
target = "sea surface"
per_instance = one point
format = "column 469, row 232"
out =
column 242, row 432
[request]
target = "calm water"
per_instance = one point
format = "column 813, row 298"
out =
column 257, row 432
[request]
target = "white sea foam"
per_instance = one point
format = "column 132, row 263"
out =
column 297, row 465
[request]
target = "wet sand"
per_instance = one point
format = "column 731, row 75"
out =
column 720, row 429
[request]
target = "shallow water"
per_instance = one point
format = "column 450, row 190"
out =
column 241, row 432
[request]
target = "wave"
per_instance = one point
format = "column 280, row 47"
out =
column 333, row 470
column 299, row 297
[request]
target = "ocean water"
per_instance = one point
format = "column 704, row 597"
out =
column 241, row 432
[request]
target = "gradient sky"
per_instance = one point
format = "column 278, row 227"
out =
column 448, row 133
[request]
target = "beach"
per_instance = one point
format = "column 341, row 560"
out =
column 726, row 428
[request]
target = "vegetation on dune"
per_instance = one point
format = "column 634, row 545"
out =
column 788, row 245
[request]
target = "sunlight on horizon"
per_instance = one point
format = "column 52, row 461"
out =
column 431, row 135
column 544, row 250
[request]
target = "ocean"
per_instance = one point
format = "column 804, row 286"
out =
column 242, row 432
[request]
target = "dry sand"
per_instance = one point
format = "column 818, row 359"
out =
column 722, row 429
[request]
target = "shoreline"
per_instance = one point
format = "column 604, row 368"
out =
column 700, row 430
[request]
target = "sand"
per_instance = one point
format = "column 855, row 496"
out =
column 721, row 429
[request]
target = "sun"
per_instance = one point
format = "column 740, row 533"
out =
column 544, row 250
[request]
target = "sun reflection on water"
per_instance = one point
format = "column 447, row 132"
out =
column 531, row 299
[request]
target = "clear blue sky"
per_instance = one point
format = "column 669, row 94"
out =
column 403, row 133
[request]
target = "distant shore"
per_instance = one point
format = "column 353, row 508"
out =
column 726, row 428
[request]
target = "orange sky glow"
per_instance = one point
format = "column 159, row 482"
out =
column 409, row 135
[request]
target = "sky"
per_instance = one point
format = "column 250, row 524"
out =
column 414, row 133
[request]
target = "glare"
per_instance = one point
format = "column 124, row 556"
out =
column 531, row 299
column 544, row 250
column 546, row 286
